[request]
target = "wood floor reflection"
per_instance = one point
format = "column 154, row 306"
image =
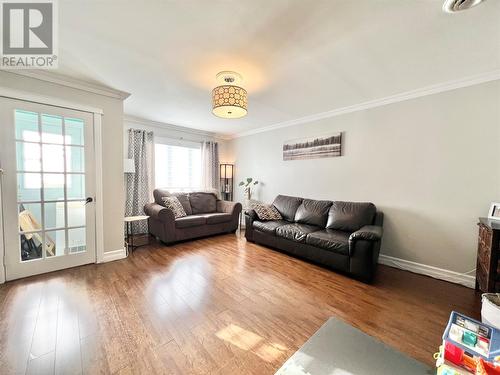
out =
column 212, row 306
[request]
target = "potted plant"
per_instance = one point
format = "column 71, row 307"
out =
column 247, row 185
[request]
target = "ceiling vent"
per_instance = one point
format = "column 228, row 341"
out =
column 453, row 6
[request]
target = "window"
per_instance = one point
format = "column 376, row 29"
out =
column 177, row 167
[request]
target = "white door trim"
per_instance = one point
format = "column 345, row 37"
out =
column 99, row 206
column 47, row 100
column 2, row 245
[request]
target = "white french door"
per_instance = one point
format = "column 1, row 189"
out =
column 48, row 188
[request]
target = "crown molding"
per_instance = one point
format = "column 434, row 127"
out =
column 407, row 95
column 74, row 83
column 178, row 128
column 47, row 100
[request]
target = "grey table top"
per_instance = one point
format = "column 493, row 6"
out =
column 340, row 349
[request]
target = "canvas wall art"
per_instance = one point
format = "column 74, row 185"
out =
column 314, row 147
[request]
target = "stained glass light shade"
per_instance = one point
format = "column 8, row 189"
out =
column 229, row 101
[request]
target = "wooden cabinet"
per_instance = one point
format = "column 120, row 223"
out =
column 488, row 249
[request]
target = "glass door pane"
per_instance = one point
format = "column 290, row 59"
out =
column 50, row 162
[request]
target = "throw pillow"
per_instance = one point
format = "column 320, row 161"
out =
column 175, row 205
column 266, row 212
column 184, row 199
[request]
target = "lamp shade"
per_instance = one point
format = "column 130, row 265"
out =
column 128, row 166
column 229, row 101
column 226, row 170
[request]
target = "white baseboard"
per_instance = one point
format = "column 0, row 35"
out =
column 114, row 255
column 424, row 269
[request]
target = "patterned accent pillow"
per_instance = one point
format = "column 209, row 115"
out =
column 266, row 212
column 175, row 205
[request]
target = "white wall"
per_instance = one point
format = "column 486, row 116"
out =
column 431, row 164
column 112, row 134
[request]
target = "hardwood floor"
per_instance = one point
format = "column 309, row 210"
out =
column 212, row 306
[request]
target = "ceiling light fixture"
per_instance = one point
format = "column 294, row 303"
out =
column 452, row 6
column 229, row 99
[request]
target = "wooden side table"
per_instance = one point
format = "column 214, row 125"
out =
column 488, row 249
column 130, row 238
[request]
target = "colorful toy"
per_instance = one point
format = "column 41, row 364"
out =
column 485, row 368
column 469, row 345
column 446, row 367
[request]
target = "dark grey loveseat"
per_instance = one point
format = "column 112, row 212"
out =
column 344, row 236
column 206, row 215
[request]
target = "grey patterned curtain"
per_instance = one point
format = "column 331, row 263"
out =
column 210, row 165
column 140, row 183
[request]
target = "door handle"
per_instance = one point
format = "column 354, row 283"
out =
column 89, row 200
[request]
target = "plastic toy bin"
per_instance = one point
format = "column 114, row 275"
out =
column 490, row 310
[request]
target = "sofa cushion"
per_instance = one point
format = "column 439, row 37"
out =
column 330, row 239
column 313, row 212
column 350, row 216
column 203, row 203
column 287, row 206
column 268, row 227
column 159, row 194
column 190, row 221
column 295, row 232
column 218, row 217
column 173, row 204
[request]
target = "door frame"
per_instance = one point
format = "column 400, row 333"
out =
column 97, row 114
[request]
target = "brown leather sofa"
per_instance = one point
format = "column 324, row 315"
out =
column 343, row 236
column 206, row 215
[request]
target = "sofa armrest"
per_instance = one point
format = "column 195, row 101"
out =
column 161, row 222
column 367, row 233
column 251, row 213
column 233, row 208
column 157, row 212
column 364, row 249
column 250, row 216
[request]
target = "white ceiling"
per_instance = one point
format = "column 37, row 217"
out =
column 297, row 57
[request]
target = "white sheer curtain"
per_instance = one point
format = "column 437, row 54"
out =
column 140, row 184
column 210, row 166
